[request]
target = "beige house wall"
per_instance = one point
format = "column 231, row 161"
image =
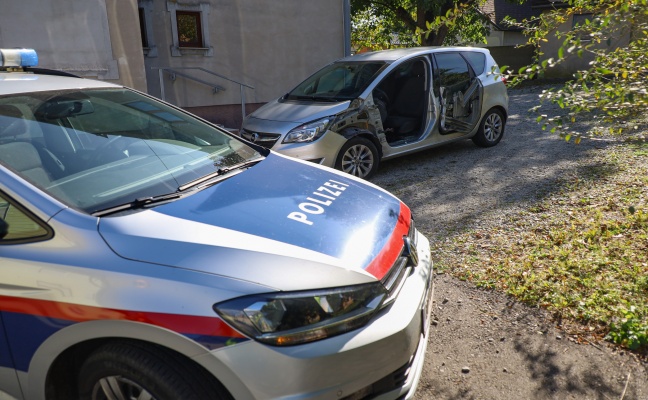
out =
column 270, row 46
column 92, row 39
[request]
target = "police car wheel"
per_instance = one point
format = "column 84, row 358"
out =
column 491, row 129
column 133, row 370
column 358, row 157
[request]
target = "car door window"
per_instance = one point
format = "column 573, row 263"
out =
column 477, row 61
column 458, row 91
column 453, row 71
column 18, row 225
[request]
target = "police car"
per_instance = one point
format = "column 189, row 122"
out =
column 147, row 254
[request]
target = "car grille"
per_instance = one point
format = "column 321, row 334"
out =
column 395, row 277
column 264, row 139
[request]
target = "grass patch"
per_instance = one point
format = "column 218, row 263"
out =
column 581, row 253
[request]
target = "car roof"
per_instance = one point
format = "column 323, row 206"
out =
column 396, row 54
column 28, row 82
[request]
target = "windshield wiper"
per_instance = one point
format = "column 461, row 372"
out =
column 210, row 179
column 220, row 174
column 140, row 202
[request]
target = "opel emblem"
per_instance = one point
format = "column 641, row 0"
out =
column 254, row 137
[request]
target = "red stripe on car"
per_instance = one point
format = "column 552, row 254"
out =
column 185, row 324
column 392, row 249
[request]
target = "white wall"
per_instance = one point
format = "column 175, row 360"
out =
column 76, row 36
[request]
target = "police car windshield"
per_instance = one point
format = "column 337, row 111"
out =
column 95, row 149
column 339, row 81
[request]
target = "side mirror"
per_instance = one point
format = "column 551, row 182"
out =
column 4, row 228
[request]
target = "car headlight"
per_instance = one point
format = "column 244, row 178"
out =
column 308, row 132
column 289, row 318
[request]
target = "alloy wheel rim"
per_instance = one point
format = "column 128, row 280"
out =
column 119, row 388
column 358, row 160
column 493, row 127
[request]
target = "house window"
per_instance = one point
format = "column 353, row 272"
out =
column 142, row 21
column 579, row 21
column 189, row 29
column 145, row 9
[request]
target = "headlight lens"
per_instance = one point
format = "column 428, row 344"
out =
column 284, row 319
column 308, row 132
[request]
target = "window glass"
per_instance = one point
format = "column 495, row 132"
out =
column 189, row 29
column 578, row 22
column 338, row 81
column 453, row 70
column 97, row 149
column 19, row 226
column 142, row 21
column 477, row 61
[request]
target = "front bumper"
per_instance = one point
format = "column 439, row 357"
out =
column 270, row 134
column 323, row 151
column 381, row 360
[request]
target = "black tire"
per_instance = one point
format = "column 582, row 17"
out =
column 491, row 129
column 137, row 370
column 358, row 157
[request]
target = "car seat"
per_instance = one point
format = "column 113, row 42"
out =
column 406, row 111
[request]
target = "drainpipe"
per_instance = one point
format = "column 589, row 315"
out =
column 346, row 15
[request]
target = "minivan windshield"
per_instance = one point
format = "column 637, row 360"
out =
column 339, row 81
column 100, row 148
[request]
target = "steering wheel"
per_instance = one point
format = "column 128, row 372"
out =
column 111, row 150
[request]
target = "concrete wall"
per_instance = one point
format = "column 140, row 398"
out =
column 270, row 45
column 573, row 63
column 90, row 38
column 512, row 56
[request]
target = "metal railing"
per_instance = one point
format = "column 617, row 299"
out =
column 215, row 87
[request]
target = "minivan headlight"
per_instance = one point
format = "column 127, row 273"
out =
column 308, row 132
column 290, row 318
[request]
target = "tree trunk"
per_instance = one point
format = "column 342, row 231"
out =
column 434, row 38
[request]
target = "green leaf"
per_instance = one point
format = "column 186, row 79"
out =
column 561, row 53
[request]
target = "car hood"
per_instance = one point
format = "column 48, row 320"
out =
column 297, row 111
column 284, row 224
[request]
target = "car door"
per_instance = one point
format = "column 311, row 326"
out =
column 8, row 378
column 17, row 228
column 459, row 93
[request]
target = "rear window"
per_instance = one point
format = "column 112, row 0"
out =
column 477, row 61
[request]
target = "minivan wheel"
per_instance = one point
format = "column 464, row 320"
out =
column 131, row 370
column 491, row 129
column 358, row 157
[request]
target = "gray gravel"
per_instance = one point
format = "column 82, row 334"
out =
column 484, row 345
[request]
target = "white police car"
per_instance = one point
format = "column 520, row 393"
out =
column 147, row 254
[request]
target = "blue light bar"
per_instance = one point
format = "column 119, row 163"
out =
column 18, row 58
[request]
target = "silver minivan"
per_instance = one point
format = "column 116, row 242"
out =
column 374, row 106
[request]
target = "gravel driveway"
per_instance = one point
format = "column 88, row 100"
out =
column 484, row 345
